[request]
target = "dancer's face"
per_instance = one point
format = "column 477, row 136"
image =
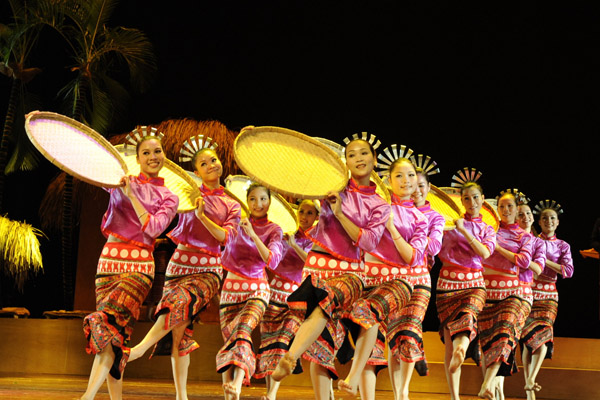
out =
column 548, row 221
column 359, row 159
column 419, row 196
column 507, row 208
column 151, row 157
column 403, row 179
column 259, row 202
column 525, row 217
column 472, row 200
column 208, row 166
column 307, row 214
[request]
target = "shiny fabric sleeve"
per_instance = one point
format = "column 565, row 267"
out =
column 370, row 235
column 488, row 238
column 436, row 233
column 275, row 245
column 231, row 222
column 158, row 221
column 523, row 255
column 566, row 260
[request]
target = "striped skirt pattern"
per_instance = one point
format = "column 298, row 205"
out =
column 499, row 329
column 334, row 295
column 538, row 329
column 119, row 298
column 184, row 297
column 277, row 328
column 243, row 303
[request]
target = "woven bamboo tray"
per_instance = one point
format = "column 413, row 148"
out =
column 289, row 162
column 280, row 211
column 75, row 148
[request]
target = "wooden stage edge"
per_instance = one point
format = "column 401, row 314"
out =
column 42, row 353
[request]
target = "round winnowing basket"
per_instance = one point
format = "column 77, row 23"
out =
column 289, row 162
column 75, row 148
column 443, row 204
column 280, row 211
column 488, row 213
column 176, row 178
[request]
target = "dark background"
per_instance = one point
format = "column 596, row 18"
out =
column 511, row 90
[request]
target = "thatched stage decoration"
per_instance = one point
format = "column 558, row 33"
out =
column 20, row 254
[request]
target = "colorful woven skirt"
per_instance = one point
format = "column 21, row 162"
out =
column 332, row 291
column 243, row 303
column 119, row 298
column 538, row 330
column 189, row 287
column 499, row 329
column 277, row 328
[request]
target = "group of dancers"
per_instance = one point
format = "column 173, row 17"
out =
column 353, row 280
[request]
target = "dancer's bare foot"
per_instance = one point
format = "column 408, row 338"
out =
column 231, row 391
column 533, row 386
column 486, row 393
column 284, row 368
column 458, row 357
column 135, row 353
column 347, row 387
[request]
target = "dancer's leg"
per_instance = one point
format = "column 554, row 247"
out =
column 487, row 390
column 368, row 383
column 453, row 378
column 103, row 361
column 179, row 364
column 307, row 334
column 155, row 333
column 233, row 388
column 364, row 347
column 321, row 381
column 115, row 387
column 272, row 388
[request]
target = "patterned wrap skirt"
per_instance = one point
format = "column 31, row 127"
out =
column 334, row 292
column 277, row 328
column 460, row 297
column 192, row 279
column 499, row 321
column 405, row 329
column 123, row 280
column 243, row 303
column 538, row 329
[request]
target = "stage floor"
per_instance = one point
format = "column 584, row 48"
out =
column 63, row 387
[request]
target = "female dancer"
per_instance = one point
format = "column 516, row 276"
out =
column 245, row 293
column 388, row 287
column 350, row 222
column 537, row 337
column 194, row 273
column 460, row 291
column 408, row 325
column 137, row 214
column 506, row 305
column 278, row 324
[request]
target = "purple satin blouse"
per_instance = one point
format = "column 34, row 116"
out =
column 435, row 231
column 538, row 255
column 291, row 265
column 366, row 209
column 241, row 255
column 121, row 220
column 559, row 251
column 219, row 208
column 512, row 238
column 457, row 251
column 412, row 226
